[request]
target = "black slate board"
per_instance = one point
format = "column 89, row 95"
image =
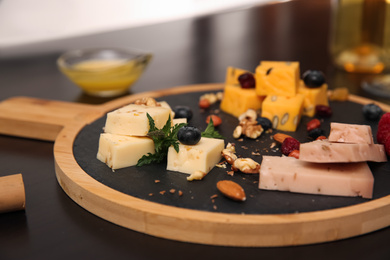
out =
column 141, row 182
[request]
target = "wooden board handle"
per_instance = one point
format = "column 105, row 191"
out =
column 12, row 194
column 42, row 119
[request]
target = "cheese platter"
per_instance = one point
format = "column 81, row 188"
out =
column 162, row 203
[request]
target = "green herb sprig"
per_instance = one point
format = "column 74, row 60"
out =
column 211, row 132
column 163, row 138
column 167, row 136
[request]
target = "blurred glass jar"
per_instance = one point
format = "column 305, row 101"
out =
column 360, row 38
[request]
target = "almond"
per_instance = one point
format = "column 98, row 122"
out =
column 231, row 190
column 279, row 137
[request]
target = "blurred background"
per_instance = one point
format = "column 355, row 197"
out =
column 38, row 26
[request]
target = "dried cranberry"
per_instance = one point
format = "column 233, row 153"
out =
column 247, row 80
column 290, row 144
column 324, row 111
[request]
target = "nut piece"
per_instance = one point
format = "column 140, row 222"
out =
column 231, row 190
column 294, row 154
column 253, row 131
column 231, row 147
column 249, row 114
column 204, row 103
column 237, row 132
column 246, row 165
column 197, row 175
column 279, row 137
column 147, row 101
column 229, row 153
column 313, row 124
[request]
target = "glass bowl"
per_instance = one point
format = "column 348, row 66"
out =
column 104, row 72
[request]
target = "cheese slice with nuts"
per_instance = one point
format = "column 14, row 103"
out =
column 132, row 119
column 290, row 174
column 202, row 156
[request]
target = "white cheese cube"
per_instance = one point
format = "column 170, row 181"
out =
column 179, row 121
column 340, row 179
column 119, row 151
column 202, row 156
column 166, row 105
column 132, row 119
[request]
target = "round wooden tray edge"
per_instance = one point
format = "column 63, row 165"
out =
column 209, row 227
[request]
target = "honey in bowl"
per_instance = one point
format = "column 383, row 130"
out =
column 103, row 72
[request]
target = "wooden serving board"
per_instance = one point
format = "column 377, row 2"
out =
column 267, row 218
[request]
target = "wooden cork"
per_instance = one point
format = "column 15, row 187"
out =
column 12, row 194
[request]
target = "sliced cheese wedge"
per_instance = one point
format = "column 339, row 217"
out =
column 323, row 151
column 290, row 174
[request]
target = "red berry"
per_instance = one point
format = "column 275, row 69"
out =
column 387, row 146
column 383, row 128
column 247, row 80
column 290, row 144
column 323, row 111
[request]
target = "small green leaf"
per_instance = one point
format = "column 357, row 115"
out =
column 210, row 131
column 163, row 139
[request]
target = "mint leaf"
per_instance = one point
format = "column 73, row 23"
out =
column 210, row 131
column 163, row 138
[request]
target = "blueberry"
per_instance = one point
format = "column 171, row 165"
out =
column 183, row 112
column 313, row 78
column 372, row 111
column 264, row 122
column 315, row 133
column 189, row 135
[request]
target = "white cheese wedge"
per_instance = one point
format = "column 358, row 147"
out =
column 322, row 151
column 200, row 157
column 350, row 133
column 119, row 151
column 290, row 174
column 132, row 119
column 166, row 105
column 179, row 121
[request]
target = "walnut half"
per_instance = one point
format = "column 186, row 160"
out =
column 246, row 165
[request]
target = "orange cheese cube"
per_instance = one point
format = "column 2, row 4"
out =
column 284, row 112
column 313, row 97
column 237, row 100
column 232, row 75
column 277, row 78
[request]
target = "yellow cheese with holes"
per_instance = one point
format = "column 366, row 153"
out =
column 284, row 112
column 277, row 78
column 237, row 100
column 119, row 151
column 232, row 75
column 313, row 97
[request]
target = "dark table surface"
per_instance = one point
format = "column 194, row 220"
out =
column 190, row 51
